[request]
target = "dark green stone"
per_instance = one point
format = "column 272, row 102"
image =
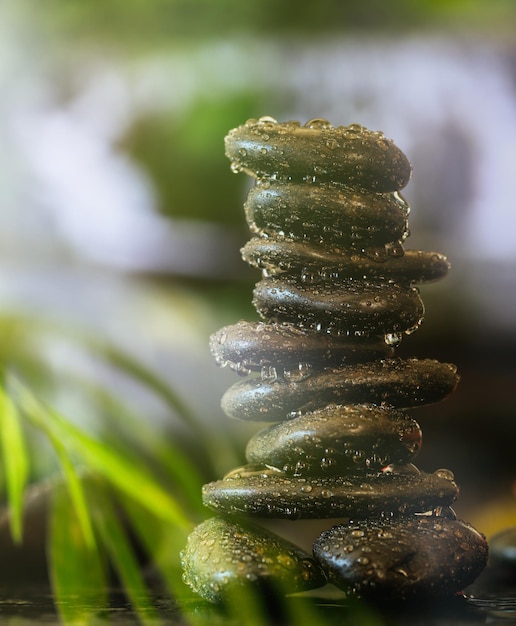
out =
column 255, row 345
column 223, row 558
column 275, row 495
column 409, row 558
column 351, row 155
column 325, row 211
column 337, row 440
column 321, row 262
column 340, row 306
column 401, row 383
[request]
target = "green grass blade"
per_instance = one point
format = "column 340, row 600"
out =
column 126, row 473
column 121, row 554
column 163, row 543
column 15, row 460
column 76, row 569
column 167, row 455
column 78, row 499
column 126, row 476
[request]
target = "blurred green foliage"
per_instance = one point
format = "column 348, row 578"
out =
column 184, row 157
column 165, row 22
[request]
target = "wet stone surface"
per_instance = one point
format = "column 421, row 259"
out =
column 401, row 383
column 278, row 209
column 402, row 559
column 351, row 154
column 223, row 557
column 251, row 346
column 340, row 305
column 337, row 296
column 272, row 494
column 317, row 263
column 337, row 440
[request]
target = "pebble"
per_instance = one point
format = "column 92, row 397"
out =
column 325, row 263
column 503, row 548
column 286, row 347
column 337, row 440
column 275, row 495
column 341, row 305
column 328, row 210
column 401, row 383
column 402, row 559
column 351, row 155
column 223, row 557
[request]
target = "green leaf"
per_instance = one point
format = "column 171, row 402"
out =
column 121, row 553
column 15, row 460
column 162, row 544
column 74, row 484
column 167, row 455
column 127, row 474
column 77, row 570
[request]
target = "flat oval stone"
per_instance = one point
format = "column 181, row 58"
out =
column 337, row 440
column 327, row 211
column 337, row 305
column 331, row 262
column 351, row 155
column 418, row 557
column 275, row 495
column 401, row 383
column 222, row 557
column 255, row 345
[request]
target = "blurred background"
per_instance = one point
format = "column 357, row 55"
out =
column 122, row 223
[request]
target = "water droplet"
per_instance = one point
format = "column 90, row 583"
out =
column 267, row 118
column 393, row 339
column 445, row 473
column 318, row 124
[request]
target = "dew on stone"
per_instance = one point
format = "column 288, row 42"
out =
column 445, row 473
column 376, row 275
column 318, row 124
column 393, row 339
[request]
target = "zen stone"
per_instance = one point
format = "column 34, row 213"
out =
column 352, row 155
column 402, row 559
column 338, row 305
column 223, row 557
column 337, row 440
column 273, row 494
column 255, row 345
column 401, row 383
column 327, row 211
column 319, row 263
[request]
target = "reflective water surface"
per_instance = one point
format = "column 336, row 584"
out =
column 36, row 606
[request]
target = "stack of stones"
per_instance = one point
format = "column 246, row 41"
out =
column 336, row 297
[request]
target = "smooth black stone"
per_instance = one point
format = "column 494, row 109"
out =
column 336, row 440
column 351, row 155
column 326, row 211
column 275, row 495
column 418, row 557
column 326, row 262
column 255, row 345
column 224, row 557
column 401, row 383
column 351, row 306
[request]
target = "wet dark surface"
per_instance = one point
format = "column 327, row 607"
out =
column 36, row 606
